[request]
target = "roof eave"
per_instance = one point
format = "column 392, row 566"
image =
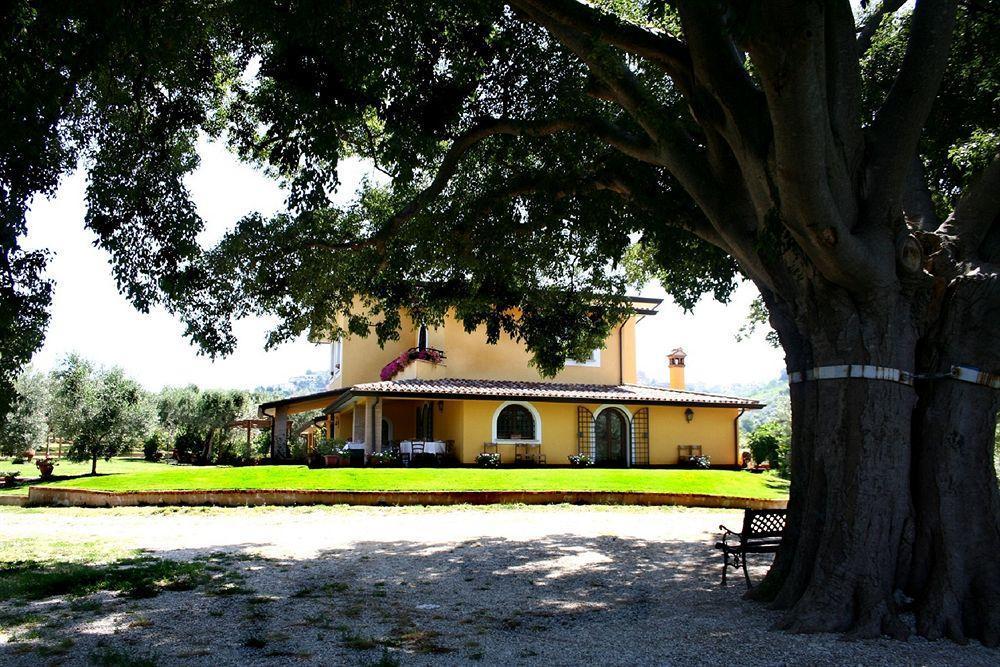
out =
column 512, row 396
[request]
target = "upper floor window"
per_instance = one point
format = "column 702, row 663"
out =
column 422, row 338
column 593, row 360
column 515, row 422
column 336, row 356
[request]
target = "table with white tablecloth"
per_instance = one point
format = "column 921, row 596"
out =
column 430, row 446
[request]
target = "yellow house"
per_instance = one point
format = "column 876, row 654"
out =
column 445, row 390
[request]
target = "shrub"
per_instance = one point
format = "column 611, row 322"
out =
column 153, row 446
column 580, row 461
column 10, row 476
column 297, row 449
column 765, row 441
column 17, row 460
column 488, row 460
column 234, row 452
column 784, row 462
column 326, row 446
column 187, row 446
column 261, row 445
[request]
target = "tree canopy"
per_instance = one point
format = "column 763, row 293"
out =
column 506, row 149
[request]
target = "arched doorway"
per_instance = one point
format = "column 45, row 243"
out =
column 611, row 438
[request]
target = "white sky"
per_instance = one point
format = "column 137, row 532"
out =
column 91, row 318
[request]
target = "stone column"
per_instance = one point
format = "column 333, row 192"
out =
column 369, row 414
column 377, row 424
column 280, row 434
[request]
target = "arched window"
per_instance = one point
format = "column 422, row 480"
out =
column 515, row 422
column 422, row 338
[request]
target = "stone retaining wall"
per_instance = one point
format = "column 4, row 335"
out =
column 67, row 497
column 15, row 501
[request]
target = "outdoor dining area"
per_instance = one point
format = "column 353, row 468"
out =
column 429, row 453
column 422, row 452
column 404, row 453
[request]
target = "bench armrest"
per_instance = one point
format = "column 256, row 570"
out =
column 727, row 533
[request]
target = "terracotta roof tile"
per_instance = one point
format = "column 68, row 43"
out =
column 597, row 393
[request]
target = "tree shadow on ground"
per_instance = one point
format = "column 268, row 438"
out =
column 560, row 600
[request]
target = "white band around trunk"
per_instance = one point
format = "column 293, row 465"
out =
column 845, row 371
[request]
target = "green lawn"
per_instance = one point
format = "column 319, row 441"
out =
column 69, row 469
column 135, row 476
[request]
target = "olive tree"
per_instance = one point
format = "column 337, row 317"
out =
column 102, row 413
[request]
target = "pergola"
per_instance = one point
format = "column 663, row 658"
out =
column 251, row 425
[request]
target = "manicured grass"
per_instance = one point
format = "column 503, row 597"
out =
column 161, row 477
column 66, row 468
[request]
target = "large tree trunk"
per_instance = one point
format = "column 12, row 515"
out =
column 894, row 501
column 850, row 508
column 955, row 576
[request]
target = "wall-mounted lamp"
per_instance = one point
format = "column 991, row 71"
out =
column 689, row 415
column 440, row 406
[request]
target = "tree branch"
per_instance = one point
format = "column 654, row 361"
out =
column 916, row 199
column 813, row 180
column 667, row 51
column 673, row 148
column 871, row 22
column 597, row 127
column 897, row 125
column 724, row 97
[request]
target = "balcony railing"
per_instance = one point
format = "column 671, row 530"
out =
column 396, row 366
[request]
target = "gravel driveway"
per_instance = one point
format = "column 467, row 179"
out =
column 520, row 585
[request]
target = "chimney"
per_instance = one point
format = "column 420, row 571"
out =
column 675, row 360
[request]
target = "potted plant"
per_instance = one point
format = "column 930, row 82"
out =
column 384, row 459
column 580, row 461
column 45, row 467
column 9, row 477
column 488, row 460
column 328, row 452
column 699, row 462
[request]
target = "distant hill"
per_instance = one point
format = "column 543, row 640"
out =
column 309, row 382
column 774, row 393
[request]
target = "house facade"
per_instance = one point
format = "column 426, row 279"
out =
column 444, row 385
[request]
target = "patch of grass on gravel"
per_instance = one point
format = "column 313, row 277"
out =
column 135, row 577
column 71, row 551
column 10, row 620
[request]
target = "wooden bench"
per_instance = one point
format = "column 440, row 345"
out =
column 761, row 534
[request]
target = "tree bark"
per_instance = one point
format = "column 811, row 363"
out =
column 850, row 507
column 894, row 503
column 955, row 575
column 93, row 464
